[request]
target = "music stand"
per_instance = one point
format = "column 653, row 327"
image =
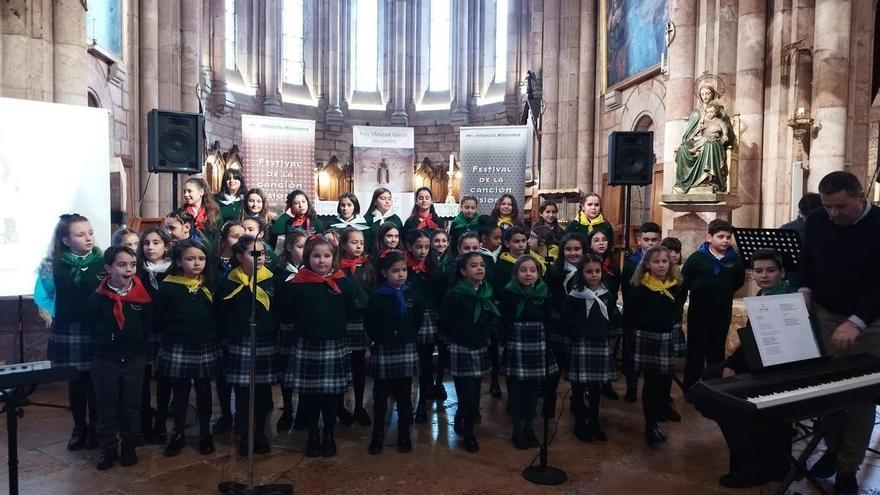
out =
column 785, row 241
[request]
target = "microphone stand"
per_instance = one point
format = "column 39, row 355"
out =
column 543, row 474
column 231, row 487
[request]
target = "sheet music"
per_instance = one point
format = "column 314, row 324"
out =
column 781, row 325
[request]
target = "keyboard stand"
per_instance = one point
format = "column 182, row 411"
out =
column 799, row 463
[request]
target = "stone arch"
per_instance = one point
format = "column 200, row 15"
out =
column 98, row 87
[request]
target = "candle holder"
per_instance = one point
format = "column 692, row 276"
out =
column 801, row 125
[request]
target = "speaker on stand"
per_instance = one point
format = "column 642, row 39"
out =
column 176, row 144
column 630, row 163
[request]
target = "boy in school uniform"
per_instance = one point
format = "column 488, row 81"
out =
column 711, row 275
column 648, row 236
column 120, row 316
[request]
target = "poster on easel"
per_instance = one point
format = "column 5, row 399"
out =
column 384, row 157
column 278, row 156
column 494, row 160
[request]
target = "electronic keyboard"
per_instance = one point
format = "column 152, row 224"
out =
column 34, row 373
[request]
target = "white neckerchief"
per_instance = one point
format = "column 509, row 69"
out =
column 293, row 270
column 160, row 266
column 493, row 254
column 378, row 217
column 570, row 271
column 358, row 222
column 228, row 199
column 591, row 297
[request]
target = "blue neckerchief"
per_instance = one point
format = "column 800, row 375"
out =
column 717, row 264
column 637, row 256
column 399, row 296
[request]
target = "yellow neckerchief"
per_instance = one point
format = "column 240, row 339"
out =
column 541, row 263
column 661, row 286
column 505, row 220
column 583, row 220
column 237, row 275
column 193, row 284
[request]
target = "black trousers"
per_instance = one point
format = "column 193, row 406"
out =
column 707, row 336
column 83, row 403
column 468, row 391
column 753, row 450
column 317, row 406
column 181, row 388
column 262, row 408
column 654, row 396
column 400, row 389
column 426, row 371
column 118, row 392
column 522, row 400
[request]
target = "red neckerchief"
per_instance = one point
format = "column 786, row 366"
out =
column 416, row 266
column 351, row 264
column 426, row 221
column 300, row 220
column 307, row 276
column 606, row 267
column 137, row 294
column 201, row 216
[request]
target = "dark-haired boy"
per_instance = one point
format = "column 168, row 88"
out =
column 711, row 275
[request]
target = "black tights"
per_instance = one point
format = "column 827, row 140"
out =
column 224, row 396
column 468, row 391
column 262, row 408
column 181, row 387
column 315, row 406
column 426, row 371
column 359, row 377
column 83, row 402
column 654, row 396
column 163, row 398
column 286, row 401
column 583, row 411
column 442, row 361
column 399, row 388
column 522, row 399
column 494, row 357
column 549, row 386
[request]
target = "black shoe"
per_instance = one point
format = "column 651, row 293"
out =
column 582, row 433
column 421, row 413
column 313, row 445
column 206, row 445
column 345, row 417
column 285, row 422
column 261, row 445
column 440, row 392
column 495, row 389
column 531, row 439
column 846, row 484
column 404, row 443
column 596, row 432
column 471, row 445
column 77, row 439
column 91, row 438
column 740, row 479
column 175, row 445
column 127, row 456
column 376, row 445
column 160, row 436
column 609, row 392
column 222, row 425
column 826, row 466
column 361, row 416
column 654, row 436
column 106, row 459
column 328, row 443
column 456, row 425
column 671, row 414
column 631, row 395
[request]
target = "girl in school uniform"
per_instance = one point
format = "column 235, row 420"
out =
column 256, row 204
column 468, row 312
column 590, row 218
column 591, row 315
column 180, row 225
column 598, row 245
column 490, row 241
column 506, row 212
column 441, row 251
column 387, row 237
column 288, row 266
column 378, row 214
column 392, row 319
column 232, row 302
column 67, row 277
column 201, row 205
column 298, row 214
column 254, row 226
column 657, row 294
column 359, row 273
column 348, row 214
column 317, row 303
column 230, row 198
column 189, row 355
column 423, row 215
column 126, row 237
column 423, row 277
column 466, row 219
column 548, row 215
column 524, row 309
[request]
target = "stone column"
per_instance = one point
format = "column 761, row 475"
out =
column 460, row 112
column 169, row 85
column 1, row 53
column 69, row 52
column 680, row 87
column 830, row 87
column 751, row 39
column 190, row 53
column 550, row 93
column 334, row 65
column 727, row 29
column 148, row 87
column 568, row 84
column 254, row 56
column 206, row 73
column 586, row 106
column 221, row 98
column 399, row 115
column 272, row 101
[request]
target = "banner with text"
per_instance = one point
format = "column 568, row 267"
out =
column 278, row 156
column 384, row 157
column 494, row 161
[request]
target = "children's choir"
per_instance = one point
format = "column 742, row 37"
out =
column 376, row 296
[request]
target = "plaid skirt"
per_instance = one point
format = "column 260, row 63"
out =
column 679, row 342
column 653, row 352
column 394, row 361
column 428, row 331
column 189, row 360
column 525, row 353
column 285, row 340
column 70, row 345
column 355, row 335
column 591, row 361
column 238, row 360
column 468, row 363
column 318, row 367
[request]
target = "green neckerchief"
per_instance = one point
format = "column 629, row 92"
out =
column 783, row 288
column 532, row 292
column 461, row 221
column 483, row 295
column 79, row 264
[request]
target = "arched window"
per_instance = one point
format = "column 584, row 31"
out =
column 492, row 75
column 365, row 45
column 230, row 34
column 440, row 46
column 104, row 25
column 500, row 41
column 293, row 42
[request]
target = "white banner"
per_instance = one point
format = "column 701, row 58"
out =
column 494, row 160
column 384, row 157
column 54, row 159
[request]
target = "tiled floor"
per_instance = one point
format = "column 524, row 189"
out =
column 689, row 463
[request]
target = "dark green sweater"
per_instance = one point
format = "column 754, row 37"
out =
column 594, row 324
column 653, row 311
column 361, row 288
column 281, row 226
column 457, row 321
column 183, row 316
column 233, row 315
column 533, row 310
column 71, row 298
column 314, row 311
column 111, row 342
column 425, row 287
column 228, row 211
column 502, row 273
column 711, row 296
column 385, row 325
column 373, row 231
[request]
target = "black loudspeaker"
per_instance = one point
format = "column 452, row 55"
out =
column 630, row 158
column 177, row 142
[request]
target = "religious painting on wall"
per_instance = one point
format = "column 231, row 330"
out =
column 104, row 25
column 633, row 37
column 384, row 157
